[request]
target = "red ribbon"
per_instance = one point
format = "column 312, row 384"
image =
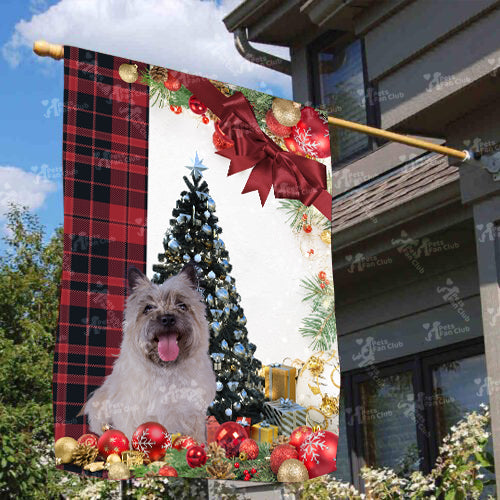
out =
column 291, row 176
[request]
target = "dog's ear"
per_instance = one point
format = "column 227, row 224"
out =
column 135, row 277
column 189, row 272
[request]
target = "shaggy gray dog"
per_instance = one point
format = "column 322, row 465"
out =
column 164, row 372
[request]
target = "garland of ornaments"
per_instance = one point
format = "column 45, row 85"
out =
column 301, row 131
column 305, row 454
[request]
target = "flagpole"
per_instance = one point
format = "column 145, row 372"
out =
column 45, row 49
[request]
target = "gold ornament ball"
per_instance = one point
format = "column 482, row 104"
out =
column 128, row 72
column 326, row 237
column 292, row 471
column 118, row 470
column 286, row 112
column 64, row 449
column 113, row 459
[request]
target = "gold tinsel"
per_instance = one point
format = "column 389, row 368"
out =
column 292, row 471
column 215, row 452
column 326, row 237
column 94, row 466
column 220, row 469
column 279, row 440
column 158, row 74
column 84, row 454
column 222, row 87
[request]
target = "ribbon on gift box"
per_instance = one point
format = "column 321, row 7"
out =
column 291, row 176
column 287, row 414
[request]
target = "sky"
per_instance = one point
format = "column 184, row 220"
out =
column 188, row 36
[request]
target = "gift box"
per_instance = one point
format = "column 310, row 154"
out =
column 246, row 423
column 264, row 432
column 212, row 427
column 286, row 414
column 280, row 381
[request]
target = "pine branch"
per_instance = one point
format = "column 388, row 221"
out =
column 320, row 327
column 161, row 96
column 295, row 210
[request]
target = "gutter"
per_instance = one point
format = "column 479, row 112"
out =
column 258, row 56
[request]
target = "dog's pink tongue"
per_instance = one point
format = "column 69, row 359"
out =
column 168, row 350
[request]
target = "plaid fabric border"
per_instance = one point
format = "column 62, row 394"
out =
column 105, row 160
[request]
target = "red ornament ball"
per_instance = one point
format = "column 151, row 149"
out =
column 230, row 436
column 307, row 228
column 311, row 134
column 196, row 456
column 196, row 106
column 275, row 126
column 281, row 453
column 237, row 465
column 221, row 141
column 250, row 447
column 322, row 275
column 152, row 439
column 205, row 119
column 253, row 471
column 246, row 478
column 322, row 285
column 112, row 441
column 171, row 83
column 319, row 453
column 168, row 471
column 183, row 442
column 176, row 109
column 89, row 440
column 299, row 434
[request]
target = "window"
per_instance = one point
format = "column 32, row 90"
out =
column 397, row 413
column 339, row 85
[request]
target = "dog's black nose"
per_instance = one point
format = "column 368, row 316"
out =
column 167, row 320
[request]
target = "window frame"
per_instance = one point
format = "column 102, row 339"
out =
column 420, row 364
column 338, row 39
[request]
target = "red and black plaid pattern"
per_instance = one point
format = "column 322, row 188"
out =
column 105, row 163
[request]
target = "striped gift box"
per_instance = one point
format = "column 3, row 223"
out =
column 286, row 414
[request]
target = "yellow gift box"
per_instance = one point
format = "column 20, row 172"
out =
column 264, row 432
column 280, row 381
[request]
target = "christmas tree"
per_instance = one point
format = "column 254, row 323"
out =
column 194, row 236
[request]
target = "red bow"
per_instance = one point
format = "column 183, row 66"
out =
column 291, row 176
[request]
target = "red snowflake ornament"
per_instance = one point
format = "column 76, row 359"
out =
column 318, row 452
column 112, row 441
column 311, row 134
column 152, row 439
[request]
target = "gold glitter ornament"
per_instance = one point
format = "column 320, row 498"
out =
column 118, row 470
column 64, row 448
column 128, row 72
column 292, row 471
column 286, row 112
column 326, row 237
column 329, row 405
column 113, row 459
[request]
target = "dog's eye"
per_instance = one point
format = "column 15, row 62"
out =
column 147, row 308
column 182, row 307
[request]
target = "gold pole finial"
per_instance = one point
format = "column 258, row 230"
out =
column 43, row 48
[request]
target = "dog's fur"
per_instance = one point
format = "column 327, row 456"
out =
column 142, row 387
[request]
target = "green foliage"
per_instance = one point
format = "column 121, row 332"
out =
column 320, row 324
column 457, row 475
column 160, row 96
column 295, row 210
